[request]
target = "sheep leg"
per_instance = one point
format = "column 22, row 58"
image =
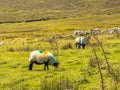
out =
column 31, row 65
column 83, row 46
column 46, row 65
column 76, row 45
column 79, row 46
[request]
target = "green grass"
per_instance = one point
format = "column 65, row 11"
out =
column 74, row 70
column 60, row 18
column 14, row 71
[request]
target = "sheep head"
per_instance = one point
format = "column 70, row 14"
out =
column 56, row 64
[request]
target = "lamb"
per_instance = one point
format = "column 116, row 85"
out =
column 40, row 57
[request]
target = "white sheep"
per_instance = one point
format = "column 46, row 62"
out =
column 80, row 41
column 40, row 57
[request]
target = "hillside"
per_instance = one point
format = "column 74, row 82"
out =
column 28, row 10
column 57, row 21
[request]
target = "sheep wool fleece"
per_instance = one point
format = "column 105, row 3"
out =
column 47, row 55
column 42, row 57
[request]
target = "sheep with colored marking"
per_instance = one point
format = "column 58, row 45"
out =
column 80, row 41
column 42, row 57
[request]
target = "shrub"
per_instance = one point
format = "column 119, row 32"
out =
column 115, row 72
column 10, row 49
column 62, row 83
column 67, row 46
column 93, row 62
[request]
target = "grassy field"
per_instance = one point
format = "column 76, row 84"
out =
column 29, row 10
column 75, row 72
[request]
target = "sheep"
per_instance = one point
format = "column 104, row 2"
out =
column 40, row 57
column 76, row 32
column 80, row 32
column 80, row 41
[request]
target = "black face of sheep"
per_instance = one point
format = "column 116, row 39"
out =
column 45, row 58
column 56, row 64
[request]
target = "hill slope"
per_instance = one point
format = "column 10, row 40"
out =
column 24, row 10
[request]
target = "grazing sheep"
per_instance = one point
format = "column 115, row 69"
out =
column 80, row 41
column 40, row 57
column 80, row 32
